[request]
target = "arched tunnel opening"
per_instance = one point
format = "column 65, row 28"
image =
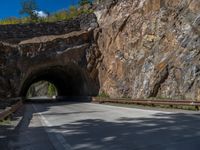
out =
column 42, row 90
column 69, row 81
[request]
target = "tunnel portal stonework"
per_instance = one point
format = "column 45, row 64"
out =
column 130, row 49
column 63, row 53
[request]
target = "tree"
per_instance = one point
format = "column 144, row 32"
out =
column 29, row 7
column 73, row 12
column 52, row 91
column 84, row 2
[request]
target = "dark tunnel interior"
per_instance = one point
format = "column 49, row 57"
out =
column 69, row 81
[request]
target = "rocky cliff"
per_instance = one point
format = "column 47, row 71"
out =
column 150, row 48
column 131, row 48
column 62, row 53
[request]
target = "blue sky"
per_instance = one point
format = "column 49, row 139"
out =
column 11, row 8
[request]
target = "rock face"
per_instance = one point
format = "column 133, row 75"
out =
column 61, row 53
column 150, row 48
column 138, row 49
column 42, row 88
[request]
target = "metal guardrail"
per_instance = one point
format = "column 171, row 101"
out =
column 147, row 102
column 9, row 110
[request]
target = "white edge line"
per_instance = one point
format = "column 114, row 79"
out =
column 56, row 139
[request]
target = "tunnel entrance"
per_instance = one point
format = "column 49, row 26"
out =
column 42, row 90
column 69, row 81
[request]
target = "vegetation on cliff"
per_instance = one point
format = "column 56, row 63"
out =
column 42, row 88
column 29, row 9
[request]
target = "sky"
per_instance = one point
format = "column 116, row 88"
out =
column 11, row 8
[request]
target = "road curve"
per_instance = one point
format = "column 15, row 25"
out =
column 87, row 126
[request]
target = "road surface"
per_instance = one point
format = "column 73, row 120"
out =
column 87, row 126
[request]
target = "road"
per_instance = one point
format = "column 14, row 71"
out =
column 87, row 126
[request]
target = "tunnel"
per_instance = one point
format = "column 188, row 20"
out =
column 69, row 81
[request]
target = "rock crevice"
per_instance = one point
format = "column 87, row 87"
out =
column 156, row 52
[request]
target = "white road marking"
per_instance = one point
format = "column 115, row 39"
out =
column 56, row 139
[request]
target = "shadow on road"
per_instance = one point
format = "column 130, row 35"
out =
column 6, row 129
column 174, row 131
column 161, row 131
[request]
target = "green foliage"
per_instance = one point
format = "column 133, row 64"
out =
column 10, row 20
column 5, row 122
column 28, row 7
column 58, row 16
column 84, row 2
column 41, row 88
column 14, row 20
column 73, row 12
column 103, row 94
column 52, row 90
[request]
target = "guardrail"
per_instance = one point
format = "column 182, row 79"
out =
column 9, row 110
column 148, row 102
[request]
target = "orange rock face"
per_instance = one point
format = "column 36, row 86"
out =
column 150, row 48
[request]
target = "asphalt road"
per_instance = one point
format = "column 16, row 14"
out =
column 86, row 126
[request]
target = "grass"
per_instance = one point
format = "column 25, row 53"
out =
column 103, row 95
column 5, row 122
column 62, row 15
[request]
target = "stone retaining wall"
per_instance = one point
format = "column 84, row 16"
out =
column 40, row 29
